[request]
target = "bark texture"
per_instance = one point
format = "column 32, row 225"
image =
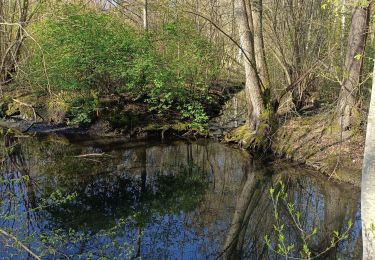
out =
column 353, row 65
column 2, row 34
column 145, row 15
column 368, row 183
column 252, row 86
column 260, row 55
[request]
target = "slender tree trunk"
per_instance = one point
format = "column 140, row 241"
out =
column 368, row 183
column 252, row 87
column 2, row 29
column 13, row 45
column 260, row 55
column 20, row 34
column 343, row 23
column 145, row 15
column 353, row 65
column 2, row 39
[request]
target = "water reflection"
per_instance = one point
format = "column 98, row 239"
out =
column 178, row 200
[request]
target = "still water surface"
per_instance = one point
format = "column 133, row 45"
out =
column 88, row 198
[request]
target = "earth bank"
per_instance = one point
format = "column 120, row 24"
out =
column 313, row 140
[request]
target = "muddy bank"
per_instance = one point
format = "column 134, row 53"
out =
column 75, row 131
column 315, row 142
column 311, row 140
column 111, row 115
column 319, row 143
column 25, row 126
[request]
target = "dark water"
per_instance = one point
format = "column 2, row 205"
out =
column 178, row 200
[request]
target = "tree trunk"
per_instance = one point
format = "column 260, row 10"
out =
column 145, row 15
column 11, row 53
column 368, row 183
column 353, row 65
column 343, row 26
column 20, row 35
column 252, row 87
column 260, row 55
column 2, row 40
column 2, row 29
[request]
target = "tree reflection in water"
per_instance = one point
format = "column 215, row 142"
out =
column 147, row 199
column 323, row 205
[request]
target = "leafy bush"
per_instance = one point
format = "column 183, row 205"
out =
column 189, row 67
column 82, row 110
column 188, row 55
column 88, row 50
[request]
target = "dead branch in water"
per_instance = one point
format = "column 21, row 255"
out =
column 92, row 155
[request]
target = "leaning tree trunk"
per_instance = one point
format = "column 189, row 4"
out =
column 353, row 65
column 368, row 183
column 252, row 86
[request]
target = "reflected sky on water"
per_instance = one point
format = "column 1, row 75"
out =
column 70, row 197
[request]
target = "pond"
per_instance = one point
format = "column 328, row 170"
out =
column 95, row 198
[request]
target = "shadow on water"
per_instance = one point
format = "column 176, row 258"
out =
column 109, row 198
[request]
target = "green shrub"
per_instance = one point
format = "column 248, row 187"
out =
column 189, row 67
column 88, row 50
column 82, row 110
column 188, row 55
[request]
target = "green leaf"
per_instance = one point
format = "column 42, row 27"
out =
column 358, row 56
column 350, row 223
column 298, row 215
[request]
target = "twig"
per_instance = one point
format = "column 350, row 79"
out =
column 40, row 48
column 29, row 127
column 243, row 51
column 92, row 155
column 6, row 234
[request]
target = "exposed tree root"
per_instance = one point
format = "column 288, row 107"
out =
column 247, row 139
